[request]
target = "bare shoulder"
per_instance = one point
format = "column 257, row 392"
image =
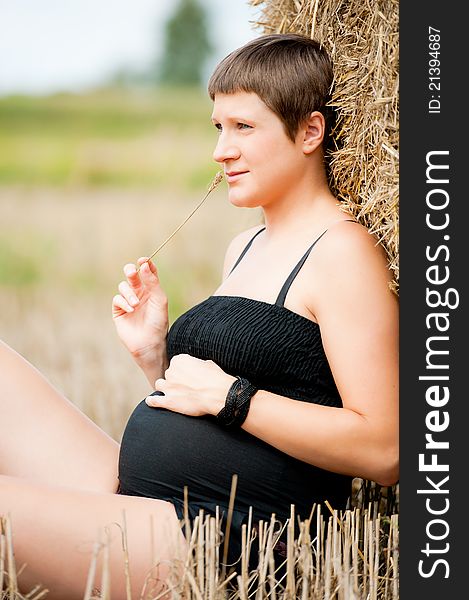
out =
column 351, row 241
column 236, row 246
column 352, row 270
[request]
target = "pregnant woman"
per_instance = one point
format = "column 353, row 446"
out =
column 286, row 376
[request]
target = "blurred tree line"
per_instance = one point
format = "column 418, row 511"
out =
column 111, row 137
column 186, row 47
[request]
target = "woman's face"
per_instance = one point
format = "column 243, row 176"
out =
column 261, row 163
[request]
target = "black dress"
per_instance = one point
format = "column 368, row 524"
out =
column 279, row 351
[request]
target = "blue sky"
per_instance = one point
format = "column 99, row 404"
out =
column 70, row 45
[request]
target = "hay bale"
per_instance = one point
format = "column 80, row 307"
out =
column 362, row 39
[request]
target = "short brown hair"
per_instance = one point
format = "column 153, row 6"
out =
column 291, row 73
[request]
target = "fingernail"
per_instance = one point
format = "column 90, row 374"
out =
column 152, row 400
column 134, row 300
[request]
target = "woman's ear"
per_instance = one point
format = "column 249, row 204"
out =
column 313, row 132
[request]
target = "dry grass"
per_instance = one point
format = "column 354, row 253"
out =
column 351, row 555
column 362, row 37
column 213, row 184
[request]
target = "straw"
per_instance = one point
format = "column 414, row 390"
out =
column 215, row 181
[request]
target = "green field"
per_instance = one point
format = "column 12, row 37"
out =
column 87, row 184
column 109, row 137
column 76, row 167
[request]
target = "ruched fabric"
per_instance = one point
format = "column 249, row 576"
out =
column 277, row 350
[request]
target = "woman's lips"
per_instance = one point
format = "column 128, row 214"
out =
column 232, row 176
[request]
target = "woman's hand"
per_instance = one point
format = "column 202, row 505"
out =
column 140, row 311
column 192, row 387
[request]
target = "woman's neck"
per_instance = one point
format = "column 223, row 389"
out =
column 301, row 209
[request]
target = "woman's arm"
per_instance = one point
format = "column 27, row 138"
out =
column 346, row 286
column 153, row 363
column 358, row 317
column 140, row 314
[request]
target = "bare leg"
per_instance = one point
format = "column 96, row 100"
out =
column 44, row 437
column 58, row 483
column 55, row 530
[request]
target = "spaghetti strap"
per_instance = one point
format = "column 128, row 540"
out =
column 248, row 245
column 286, row 286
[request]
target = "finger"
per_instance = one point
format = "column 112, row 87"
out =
column 174, row 402
column 133, row 278
column 160, row 385
column 149, row 274
column 156, row 399
column 128, row 293
column 120, row 306
column 151, row 264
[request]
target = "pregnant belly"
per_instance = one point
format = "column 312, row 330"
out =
column 161, row 452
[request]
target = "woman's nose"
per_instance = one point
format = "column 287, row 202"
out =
column 224, row 150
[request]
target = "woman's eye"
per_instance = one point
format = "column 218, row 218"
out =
column 219, row 126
